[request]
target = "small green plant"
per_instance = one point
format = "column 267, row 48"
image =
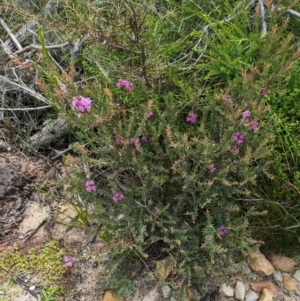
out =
column 45, row 262
column 49, row 295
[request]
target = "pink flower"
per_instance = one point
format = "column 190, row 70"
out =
column 65, row 88
column 81, row 104
column 239, row 138
column 234, row 150
column 117, row 196
column 119, row 141
column 191, row 118
column 100, row 245
column 126, row 85
column 254, row 126
column 149, row 114
column 246, row 113
column 222, row 230
column 90, row 186
column 263, row 91
column 227, row 98
column 66, row 259
column 69, row 261
column 212, row 169
column 137, row 147
column 144, row 139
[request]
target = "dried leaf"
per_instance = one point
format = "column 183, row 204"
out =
column 108, row 93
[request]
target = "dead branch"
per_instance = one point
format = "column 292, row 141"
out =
column 53, row 130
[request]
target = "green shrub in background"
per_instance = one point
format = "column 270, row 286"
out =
column 173, row 129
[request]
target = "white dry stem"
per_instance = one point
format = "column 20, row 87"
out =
column 25, row 89
column 263, row 18
column 11, row 35
column 293, row 13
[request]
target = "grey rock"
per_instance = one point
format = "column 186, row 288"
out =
column 296, row 275
column 251, row 296
column 166, row 290
column 278, row 276
column 239, row 291
column 152, row 296
column 226, row 290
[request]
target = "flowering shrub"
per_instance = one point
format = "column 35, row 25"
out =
column 175, row 160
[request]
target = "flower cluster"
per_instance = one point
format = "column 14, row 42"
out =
column 90, row 186
column 239, row 138
column 212, row 169
column 69, row 261
column 81, row 104
column 222, row 230
column 117, row 196
column 253, row 123
column 125, row 84
column 191, row 118
column 234, row 150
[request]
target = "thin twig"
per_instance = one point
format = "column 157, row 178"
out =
column 38, row 47
column 156, row 217
column 92, row 239
column 25, row 109
column 13, row 38
column 26, row 89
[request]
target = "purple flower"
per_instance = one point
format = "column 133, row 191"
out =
column 183, row 158
column 227, row 98
column 263, row 91
column 179, row 280
column 90, row 186
column 234, row 162
column 185, row 181
column 81, row 104
column 144, row 139
column 254, row 126
column 65, row 88
column 239, row 138
column 191, row 118
column 126, row 85
column 117, row 196
column 222, row 230
column 234, row 150
column 221, row 262
column 212, row 169
column 149, row 114
column 246, row 113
